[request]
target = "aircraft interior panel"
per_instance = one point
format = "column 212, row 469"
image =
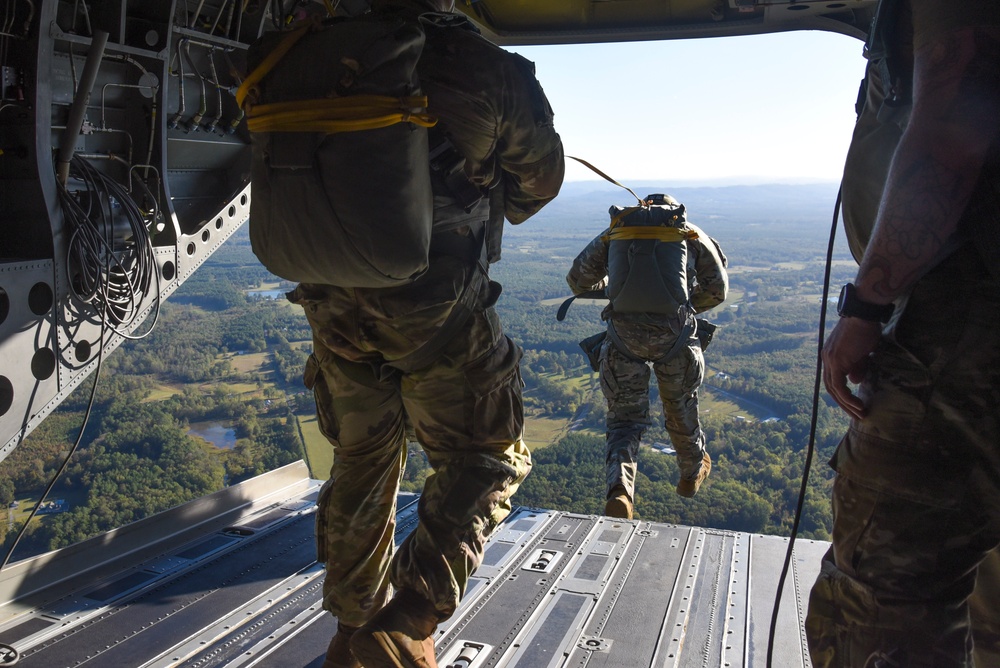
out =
column 123, row 166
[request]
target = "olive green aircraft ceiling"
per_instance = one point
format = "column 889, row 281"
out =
column 515, row 22
column 124, row 155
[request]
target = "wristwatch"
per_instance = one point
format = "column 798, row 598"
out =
column 850, row 306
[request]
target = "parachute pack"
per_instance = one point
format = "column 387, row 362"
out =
column 342, row 189
column 647, row 257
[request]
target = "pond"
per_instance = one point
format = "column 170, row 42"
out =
column 216, row 433
column 267, row 294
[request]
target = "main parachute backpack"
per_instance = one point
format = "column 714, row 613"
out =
column 340, row 170
column 647, row 257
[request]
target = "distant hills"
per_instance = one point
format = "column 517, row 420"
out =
column 803, row 209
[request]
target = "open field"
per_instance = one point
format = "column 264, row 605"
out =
column 710, row 403
column 164, row 391
column 725, row 403
column 319, row 452
column 248, row 362
column 542, row 431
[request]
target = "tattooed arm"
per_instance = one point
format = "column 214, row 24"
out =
column 953, row 125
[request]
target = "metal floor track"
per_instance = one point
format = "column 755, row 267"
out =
column 231, row 580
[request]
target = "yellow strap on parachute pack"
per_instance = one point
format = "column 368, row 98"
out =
column 657, row 232
column 341, row 114
column 326, row 115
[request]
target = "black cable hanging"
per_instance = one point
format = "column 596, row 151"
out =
column 114, row 280
column 810, row 449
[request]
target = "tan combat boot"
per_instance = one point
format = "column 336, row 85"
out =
column 618, row 505
column 399, row 635
column 338, row 654
column 689, row 486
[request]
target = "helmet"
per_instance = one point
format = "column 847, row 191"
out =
column 659, row 199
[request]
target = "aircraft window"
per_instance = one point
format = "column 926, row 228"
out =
column 4, row 305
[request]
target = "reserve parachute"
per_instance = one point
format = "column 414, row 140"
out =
column 340, row 169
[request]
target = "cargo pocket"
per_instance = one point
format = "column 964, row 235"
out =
column 325, row 417
column 498, row 407
column 321, row 520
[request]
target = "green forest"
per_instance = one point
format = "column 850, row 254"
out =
column 224, row 355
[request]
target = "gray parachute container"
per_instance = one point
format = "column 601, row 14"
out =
column 647, row 275
column 348, row 208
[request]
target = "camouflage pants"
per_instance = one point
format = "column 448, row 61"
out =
column 916, row 501
column 625, row 383
column 467, row 413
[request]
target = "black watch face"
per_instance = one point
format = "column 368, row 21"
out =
column 842, row 300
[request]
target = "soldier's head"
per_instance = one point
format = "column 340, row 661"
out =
column 445, row 6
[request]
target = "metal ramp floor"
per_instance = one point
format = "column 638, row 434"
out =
column 231, row 580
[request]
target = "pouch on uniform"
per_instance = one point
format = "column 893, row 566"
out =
column 706, row 332
column 341, row 178
column 592, row 349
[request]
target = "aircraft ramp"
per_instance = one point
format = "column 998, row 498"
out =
column 231, row 580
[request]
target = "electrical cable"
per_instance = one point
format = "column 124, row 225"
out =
column 62, row 467
column 116, row 282
column 810, row 449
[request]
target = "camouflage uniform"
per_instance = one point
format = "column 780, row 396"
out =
column 464, row 405
column 916, row 500
column 625, row 374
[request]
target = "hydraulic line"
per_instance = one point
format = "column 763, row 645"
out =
column 203, row 106
column 176, row 119
column 76, row 113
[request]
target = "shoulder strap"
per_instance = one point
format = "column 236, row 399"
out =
column 881, row 52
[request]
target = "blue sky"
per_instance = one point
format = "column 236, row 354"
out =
column 761, row 108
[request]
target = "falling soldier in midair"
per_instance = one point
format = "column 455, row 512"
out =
column 659, row 271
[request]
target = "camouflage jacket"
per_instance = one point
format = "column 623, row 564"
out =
column 708, row 281
column 495, row 113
